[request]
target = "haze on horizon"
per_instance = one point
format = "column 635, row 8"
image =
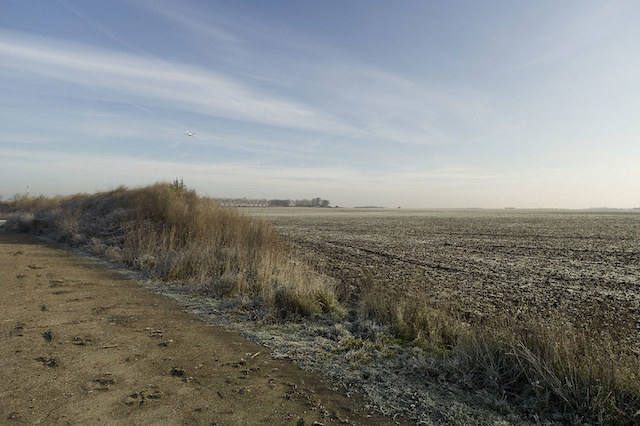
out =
column 365, row 102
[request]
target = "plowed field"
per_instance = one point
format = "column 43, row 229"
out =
column 583, row 266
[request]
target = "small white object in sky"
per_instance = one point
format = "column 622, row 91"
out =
column 190, row 133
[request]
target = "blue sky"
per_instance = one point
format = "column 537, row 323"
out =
column 362, row 102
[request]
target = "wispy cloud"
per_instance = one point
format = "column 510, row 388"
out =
column 185, row 87
column 190, row 19
column 586, row 26
column 50, row 172
column 80, row 124
column 217, row 179
column 100, row 27
column 377, row 104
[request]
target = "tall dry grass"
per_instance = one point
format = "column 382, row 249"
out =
column 172, row 234
column 547, row 367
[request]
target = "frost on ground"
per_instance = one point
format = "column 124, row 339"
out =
column 398, row 380
column 581, row 266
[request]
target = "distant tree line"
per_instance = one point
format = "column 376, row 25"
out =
column 314, row 202
column 263, row 202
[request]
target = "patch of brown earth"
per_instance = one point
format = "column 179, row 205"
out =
column 82, row 345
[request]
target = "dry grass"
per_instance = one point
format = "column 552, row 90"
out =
column 170, row 233
column 549, row 369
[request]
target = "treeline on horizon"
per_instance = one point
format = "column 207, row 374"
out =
column 263, row 202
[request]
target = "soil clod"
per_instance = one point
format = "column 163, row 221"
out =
column 80, row 341
column 142, row 396
column 47, row 361
column 17, row 330
column 103, row 382
column 178, row 372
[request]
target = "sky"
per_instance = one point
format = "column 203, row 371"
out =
column 362, row 102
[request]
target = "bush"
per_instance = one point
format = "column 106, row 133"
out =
column 21, row 221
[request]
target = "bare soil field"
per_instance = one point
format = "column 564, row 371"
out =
column 81, row 344
column 583, row 266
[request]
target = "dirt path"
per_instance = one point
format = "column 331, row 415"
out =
column 82, row 345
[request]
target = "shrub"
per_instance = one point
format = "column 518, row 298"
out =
column 21, row 221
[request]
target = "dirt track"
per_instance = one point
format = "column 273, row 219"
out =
column 81, row 345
